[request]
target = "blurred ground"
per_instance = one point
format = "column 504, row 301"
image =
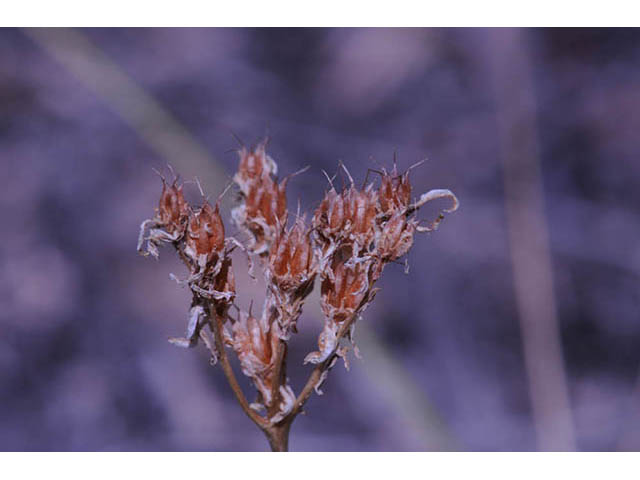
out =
column 84, row 362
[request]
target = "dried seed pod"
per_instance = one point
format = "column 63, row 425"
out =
column 168, row 223
column 291, row 259
column 290, row 272
column 266, row 203
column 263, row 207
column 346, row 218
column 395, row 192
column 254, row 164
column 360, row 211
column 205, row 237
column 328, row 218
column 396, row 237
column 345, row 292
column 199, row 238
column 396, row 227
column 173, row 209
column 256, row 345
column 215, row 280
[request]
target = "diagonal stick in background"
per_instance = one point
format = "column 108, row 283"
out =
column 157, row 127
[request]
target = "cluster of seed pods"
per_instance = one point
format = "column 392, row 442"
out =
column 357, row 232
column 198, row 236
column 354, row 233
column 263, row 207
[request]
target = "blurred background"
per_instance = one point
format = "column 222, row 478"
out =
column 515, row 329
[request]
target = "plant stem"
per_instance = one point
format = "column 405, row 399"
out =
column 278, row 436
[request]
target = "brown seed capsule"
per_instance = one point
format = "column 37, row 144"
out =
column 173, row 209
column 343, row 295
column 329, row 216
column 291, row 270
column 396, row 237
column 291, row 261
column 205, row 236
column 360, row 211
column 348, row 217
column 395, row 192
column 254, row 165
column 256, row 345
column 264, row 202
column 169, row 222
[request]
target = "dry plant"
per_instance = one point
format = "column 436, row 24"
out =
column 354, row 233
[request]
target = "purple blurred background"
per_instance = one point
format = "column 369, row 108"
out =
column 516, row 328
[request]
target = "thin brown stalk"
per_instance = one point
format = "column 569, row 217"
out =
column 278, row 436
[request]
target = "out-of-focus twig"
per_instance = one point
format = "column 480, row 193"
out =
column 160, row 130
column 528, row 239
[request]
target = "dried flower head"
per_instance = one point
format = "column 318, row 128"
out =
column 354, row 234
column 256, row 343
column 254, row 164
column 205, row 236
column 347, row 217
column 395, row 191
column 199, row 238
column 344, row 291
column 173, row 209
column 263, row 207
column 291, row 258
column 168, row 223
column 396, row 237
column 291, row 270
